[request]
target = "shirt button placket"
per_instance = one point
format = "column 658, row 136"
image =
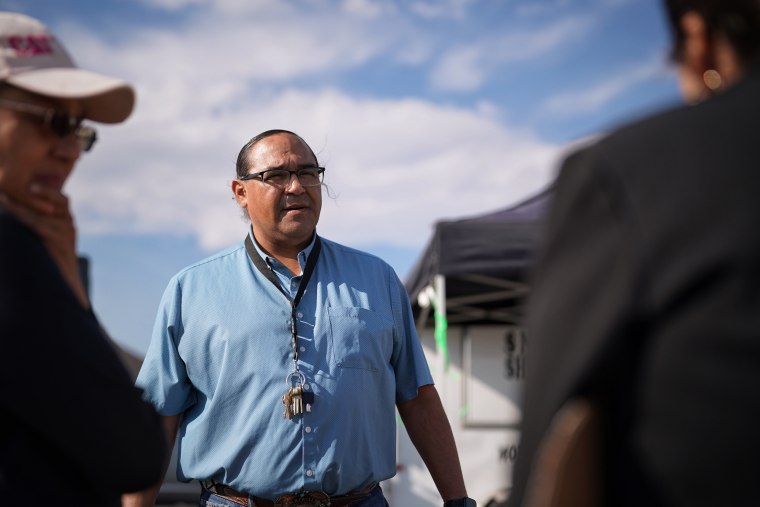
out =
column 309, row 443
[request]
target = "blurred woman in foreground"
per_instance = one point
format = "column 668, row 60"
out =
column 646, row 297
column 73, row 429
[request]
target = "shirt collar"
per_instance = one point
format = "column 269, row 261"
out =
column 302, row 255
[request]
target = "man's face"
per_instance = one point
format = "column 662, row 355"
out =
column 29, row 152
column 281, row 217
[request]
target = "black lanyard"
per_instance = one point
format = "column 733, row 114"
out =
column 265, row 270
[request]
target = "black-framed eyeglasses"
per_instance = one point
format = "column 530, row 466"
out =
column 309, row 176
column 60, row 123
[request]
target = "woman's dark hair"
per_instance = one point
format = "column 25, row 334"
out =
column 241, row 166
column 736, row 20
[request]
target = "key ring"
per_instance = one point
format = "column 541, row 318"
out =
column 289, row 376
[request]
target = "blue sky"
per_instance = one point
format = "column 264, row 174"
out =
column 421, row 110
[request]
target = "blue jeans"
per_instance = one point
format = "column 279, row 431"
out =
column 375, row 499
column 208, row 499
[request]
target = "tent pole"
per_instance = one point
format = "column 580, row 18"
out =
column 441, row 324
column 424, row 303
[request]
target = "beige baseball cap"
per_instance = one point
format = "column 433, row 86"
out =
column 31, row 58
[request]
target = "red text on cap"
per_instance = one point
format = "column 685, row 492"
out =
column 30, row 45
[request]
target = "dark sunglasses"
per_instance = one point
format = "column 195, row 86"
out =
column 58, row 122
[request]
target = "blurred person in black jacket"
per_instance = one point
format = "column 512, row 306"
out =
column 646, row 296
column 73, row 429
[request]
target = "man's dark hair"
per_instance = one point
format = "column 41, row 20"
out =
column 241, row 165
column 736, row 20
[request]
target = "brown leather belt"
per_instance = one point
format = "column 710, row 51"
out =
column 301, row 499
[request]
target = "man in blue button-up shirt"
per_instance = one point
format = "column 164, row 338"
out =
column 280, row 360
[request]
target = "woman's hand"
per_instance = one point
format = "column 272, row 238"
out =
column 47, row 213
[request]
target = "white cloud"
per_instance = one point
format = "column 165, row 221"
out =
column 416, row 51
column 366, row 8
column 396, row 165
column 466, row 68
column 558, row 8
column 462, row 69
column 229, row 7
column 174, row 5
column 541, row 8
column 593, row 98
column 453, row 9
column 270, row 47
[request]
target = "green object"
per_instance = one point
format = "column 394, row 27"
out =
column 441, row 325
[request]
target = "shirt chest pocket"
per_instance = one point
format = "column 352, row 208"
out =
column 360, row 338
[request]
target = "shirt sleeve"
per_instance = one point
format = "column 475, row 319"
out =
column 408, row 359
column 163, row 375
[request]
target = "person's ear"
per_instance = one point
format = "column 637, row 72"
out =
column 240, row 193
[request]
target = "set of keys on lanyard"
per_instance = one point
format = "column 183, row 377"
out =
column 298, row 399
